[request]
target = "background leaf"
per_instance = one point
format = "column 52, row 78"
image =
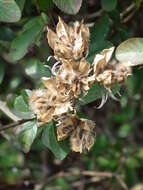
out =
column 108, row 5
column 21, row 108
column 68, row 6
column 98, row 37
column 21, row 4
column 131, row 50
column 9, row 11
column 27, row 135
column 95, row 92
column 30, row 33
column 59, row 149
column 36, row 69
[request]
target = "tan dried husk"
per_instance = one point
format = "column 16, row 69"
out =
column 49, row 102
column 73, row 78
column 69, row 42
column 80, row 131
column 108, row 72
column 75, row 75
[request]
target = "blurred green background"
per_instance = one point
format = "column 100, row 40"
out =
column 119, row 124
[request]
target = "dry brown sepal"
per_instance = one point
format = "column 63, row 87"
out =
column 108, row 72
column 80, row 131
column 69, row 42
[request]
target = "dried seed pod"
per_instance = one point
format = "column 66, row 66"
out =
column 49, row 102
column 76, row 75
column 66, row 126
column 69, row 42
column 101, row 60
column 80, row 131
column 108, row 72
column 41, row 104
column 83, row 137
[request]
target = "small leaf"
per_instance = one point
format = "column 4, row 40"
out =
column 68, row 6
column 9, row 11
column 21, row 108
column 130, row 50
column 59, row 149
column 27, row 135
column 36, row 69
column 20, row 44
column 108, row 5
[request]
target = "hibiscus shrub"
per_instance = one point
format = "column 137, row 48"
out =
column 59, row 59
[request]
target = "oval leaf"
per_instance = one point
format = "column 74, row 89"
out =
column 27, row 135
column 131, row 50
column 68, row 6
column 21, row 108
column 9, row 11
column 20, row 45
column 36, row 69
column 49, row 139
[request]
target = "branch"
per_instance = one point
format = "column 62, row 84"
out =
column 92, row 174
column 14, row 124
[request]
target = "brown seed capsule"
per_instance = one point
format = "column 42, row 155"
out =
column 69, row 42
column 109, row 73
column 76, row 75
column 80, row 131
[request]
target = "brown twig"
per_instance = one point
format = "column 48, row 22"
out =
column 14, row 124
column 92, row 174
column 127, row 10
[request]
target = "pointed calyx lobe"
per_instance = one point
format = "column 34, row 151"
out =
column 73, row 78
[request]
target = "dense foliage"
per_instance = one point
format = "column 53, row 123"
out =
column 31, row 157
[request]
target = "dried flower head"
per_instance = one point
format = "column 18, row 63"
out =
column 75, row 75
column 73, row 78
column 69, row 42
column 49, row 102
column 108, row 72
column 80, row 131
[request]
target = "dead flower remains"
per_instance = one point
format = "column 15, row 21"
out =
column 73, row 78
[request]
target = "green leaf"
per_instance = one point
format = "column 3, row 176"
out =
column 21, row 4
column 36, row 69
column 124, row 130
column 130, row 50
column 2, row 71
column 98, row 37
column 108, row 5
column 97, row 47
column 95, row 92
column 49, row 139
column 68, row 6
column 27, row 135
column 45, row 5
column 21, row 108
column 6, row 33
column 9, row 11
column 28, row 36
